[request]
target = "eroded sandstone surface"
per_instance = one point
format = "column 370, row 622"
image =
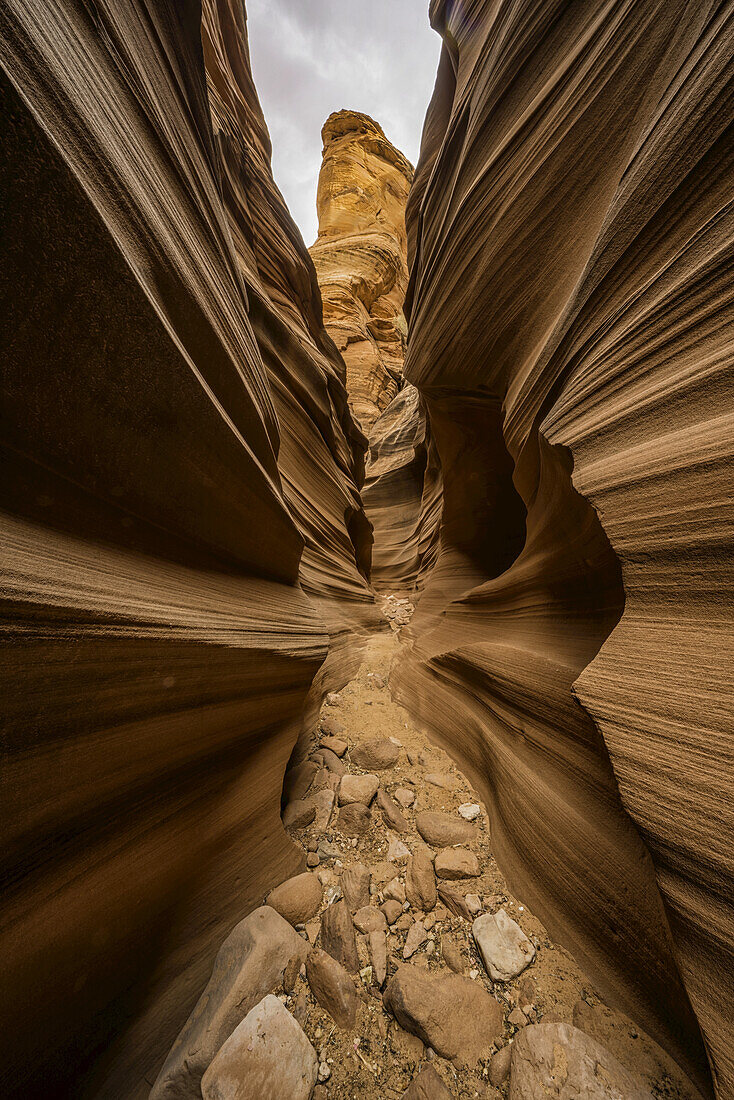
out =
column 189, row 563
column 361, row 256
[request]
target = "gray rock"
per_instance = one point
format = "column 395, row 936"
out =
column 358, row 788
column 266, row 1057
column 297, row 899
column 327, row 849
column 337, row 936
column 375, row 755
column 333, row 988
column 443, row 830
column 427, row 1085
column 396, row 850
column 456, row 863
column 470, row 811
column 392, row 815
column 455, row 1016
column 420, row 880
column 250, row 964
column 504, row 947
column 356, row 886
column 560, row 1062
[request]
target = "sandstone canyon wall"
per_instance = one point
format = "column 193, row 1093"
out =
column 181, row 524
column 570, row 228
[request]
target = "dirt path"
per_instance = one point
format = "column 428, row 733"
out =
column 383, row 1059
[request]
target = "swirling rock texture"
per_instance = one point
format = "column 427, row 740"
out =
column 181, row 524
column 570, row 334
column 361, row 256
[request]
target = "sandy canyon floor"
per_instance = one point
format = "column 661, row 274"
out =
column 380, row 1058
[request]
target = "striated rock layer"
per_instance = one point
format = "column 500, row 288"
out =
column 180, row 522
column 570, row 336
column 361, row 256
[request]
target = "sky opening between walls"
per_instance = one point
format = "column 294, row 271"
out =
column 312, row 57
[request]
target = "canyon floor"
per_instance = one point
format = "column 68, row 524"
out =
column 379, row 1058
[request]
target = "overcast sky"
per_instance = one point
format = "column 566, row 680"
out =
column 312, row 57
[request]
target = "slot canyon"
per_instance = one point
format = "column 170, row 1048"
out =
column 367, row 607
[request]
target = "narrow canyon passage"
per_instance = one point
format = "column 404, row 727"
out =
column 367, row 607
column 402, row 895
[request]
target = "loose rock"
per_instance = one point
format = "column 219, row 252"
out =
column 392, row 814
column 358, row 788
column 470, row 811
column 456, row 863
column 455, row 1016
column 331, row 761
column 394, row 890
column 415, row 939
column 504, row 947
column 378, row 954
column 562, row 1063
column 427, row 1085
column 250, row 964
column 368, row 919
column 356, row 886
column 375, row 755
column 335, row 745
column 420, row 881
column 392, row 910
column 452, row 955
column 354, row 819
column 299, row 813
column 499, row 1066
column 297, row 898
column 443, row 780
column 298, row 780
column 337, row 936
column 454, row 901
column 442, row 830
column 405, row 797
column 333, row 988
column 267, row 1056
column 396, row 850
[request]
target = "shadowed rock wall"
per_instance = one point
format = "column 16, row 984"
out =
column 569, row 309
column 180, row 469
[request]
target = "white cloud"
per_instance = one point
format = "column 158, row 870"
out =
column 312, row 57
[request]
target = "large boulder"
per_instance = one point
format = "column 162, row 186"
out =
column 297, row 898
column 504, row 947
column 249, row 965
column 267, row 1057
column 559, row 1062
column 455, row 1016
